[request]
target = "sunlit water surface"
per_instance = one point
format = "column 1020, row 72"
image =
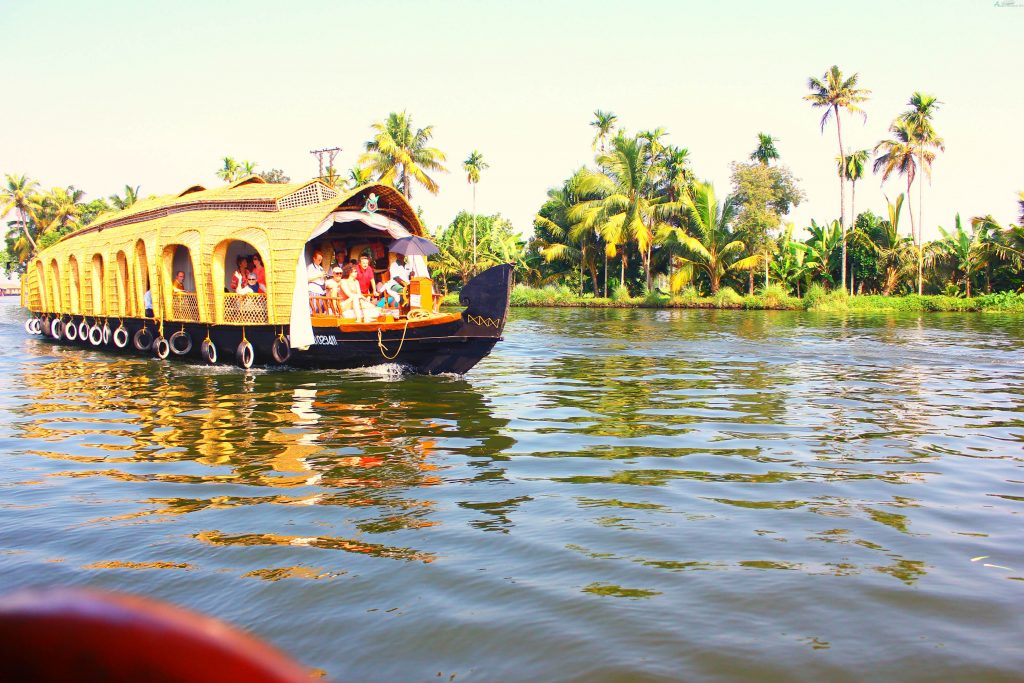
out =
column 612, row 495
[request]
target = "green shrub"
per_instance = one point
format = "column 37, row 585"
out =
column 620, row 294
column 726, row 298
column 820, row 299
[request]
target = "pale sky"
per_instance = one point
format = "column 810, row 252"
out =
column 154, row 94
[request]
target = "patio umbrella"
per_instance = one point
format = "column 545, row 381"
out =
column 413, row 246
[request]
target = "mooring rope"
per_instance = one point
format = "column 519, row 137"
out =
column 383, row 350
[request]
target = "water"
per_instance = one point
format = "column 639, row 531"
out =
column 613, row 495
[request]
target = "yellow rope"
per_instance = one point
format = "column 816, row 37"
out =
column 383, row 350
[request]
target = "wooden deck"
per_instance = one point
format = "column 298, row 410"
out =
column 347, row 325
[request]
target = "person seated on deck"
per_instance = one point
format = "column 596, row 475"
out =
column 355, row 304
column 179, row 281
column 399, row 272
column 338, row 260
column 366, row 276
column 390, row 299
column 241, row 272
column 315, row 275
column 334, row 295
column 251, row 285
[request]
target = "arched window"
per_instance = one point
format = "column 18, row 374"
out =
column 74, row 286
column 124, row 301
column 234, row 261
column 141, row 278
column 97, row 285
column 179, row 284
column 53, row 286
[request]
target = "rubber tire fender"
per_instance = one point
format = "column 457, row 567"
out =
column 83, row 330
column 57, row 329
column 161, row 349
column 95, row 335
column 106, row 332
column 281, row 350
column 208, row 351
column 143, row 334
column 37, row 326
column 120, row 337
column 180, row 334
column 30, row 326
column 245, row 355
column 71, row 331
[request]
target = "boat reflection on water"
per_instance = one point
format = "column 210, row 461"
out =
column 372, row 441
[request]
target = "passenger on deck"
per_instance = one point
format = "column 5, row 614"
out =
column 240, row 274
column 315, row 274
column 179, row 281
column 261, row 272
column 334, row 295
column 338, row 260
column 399, row 273
column 251, row 286
column 147, row 301
column 354, row 301
column 365, row 275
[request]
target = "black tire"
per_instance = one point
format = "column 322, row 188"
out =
column 209, row 352
column 173, row 342
column 106, row 333
column 71, row 331
column 57, row 329
column 95, row 335
column 281, row 350
column 245, row 355
column 83, row 330
column 161, row 349
column 44, row 326
column 121, row 337
column 143, row 340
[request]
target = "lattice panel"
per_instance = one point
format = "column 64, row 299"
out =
column 185, row 306
column 32, row 288
column 245, row 309
column 311, row 194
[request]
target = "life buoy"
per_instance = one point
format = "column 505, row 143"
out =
column 161, row 349
column 57, row 329
column 44, row 326
column 176, row 338
column 95, row 335
column 281, row 350
column 143, row 339
column 106, row 332
column 83, row 330
column 71, row 330
column 121, row 337
column 245, row 355
column 209, row 351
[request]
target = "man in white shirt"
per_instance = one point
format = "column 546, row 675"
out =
column 399, row 273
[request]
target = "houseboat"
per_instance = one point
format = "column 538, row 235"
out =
column 160, row 278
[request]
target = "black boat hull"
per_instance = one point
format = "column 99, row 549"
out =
column 449, row 347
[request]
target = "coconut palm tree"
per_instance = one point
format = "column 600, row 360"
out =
column 603, row 121
column 229, row 171
column 676, row 171
column 398, row 155
column 834, row 92
column 473, row 164
column 895, row 253
column 629, row 210
column 64, row 207
column 851, row 167
column 357, row 176
column 900, row 154
column 707, row 243
column 131, row 195
column 918, row 119
column 789, row 267
column 247, row 168
column 566, row 240
column 766, row 152
column 20, row 195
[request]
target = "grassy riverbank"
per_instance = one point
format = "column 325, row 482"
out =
column 771, row 298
